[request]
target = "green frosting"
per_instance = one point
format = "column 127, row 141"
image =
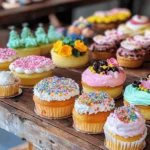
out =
column 26, row 32
column 53, row 35
column 42, row 39
column 136, row 97
column 40, row 31
column 30, row 42
column 14, row 40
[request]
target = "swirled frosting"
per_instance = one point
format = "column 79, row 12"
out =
column 7, row 78
column 106, row 76
column 26, row 32
column 30, row 42
column 125, row 121
column 138, row 22
column 144, row 41
column 94, row 102
column 7, row 55
column 32, row 64
column 56, row 89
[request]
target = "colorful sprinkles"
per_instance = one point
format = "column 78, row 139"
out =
column 96, row 98
column 6, row 53
column 58, row 86
column 127, row 114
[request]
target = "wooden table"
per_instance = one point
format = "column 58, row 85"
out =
column 17, row 116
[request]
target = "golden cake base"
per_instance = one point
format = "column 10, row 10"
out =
column 5, row 66
column 45, row 49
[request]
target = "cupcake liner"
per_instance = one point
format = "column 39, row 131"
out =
column 114, row 144
column 53, row 112
column 90, row 128
column 8, row 90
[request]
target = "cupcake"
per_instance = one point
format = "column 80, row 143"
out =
column 138, row 94
column 81, row 27
column 54, row 97
column 145, row 42
column 135, row 26
column 32, row 69
column 130, row 54
column 104, row 76
column 116, row 35
column 43, row 41
column 24, row 46
column 91, row 111
column 104, row 20
column 103, row 48
column 125, row 129
column 7, row 56
column 69, row 53
column 9, row 84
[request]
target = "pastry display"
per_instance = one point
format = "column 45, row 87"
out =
column 69, row 53
column 130, row 54
column 125, row 129
column 103, row 48
column 106, row 76
column 145, row 42
column 91, row 111
column 24, row 46
column 138, row 94
column 32, row 69
column 81, row 27
column 7, row 56
column 9, row 84
column 104, row 20
column 135, row 26
column 54, row 97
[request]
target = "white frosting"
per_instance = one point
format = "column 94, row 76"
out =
column 11, row 58
column 124, row 29
column 144, row 41
column 147, row 33
column 7, row 78
column 130, row 44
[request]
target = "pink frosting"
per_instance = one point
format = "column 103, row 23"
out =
column 32, row 62
column 97, row 80
column 117, row 127
column 6, row 53
column 146, row 84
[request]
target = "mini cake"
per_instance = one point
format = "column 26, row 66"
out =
column 54, row 97
column 125, row 129
column 130, row 54
column 69, row 53
column 91, row 111
column 116, row 36
column 138, row 94
column 43, row 41
column 145, row 42
column 103, row 48
column 135, row 26
column 24, row 46
column 7, row 56
column 81, row 27
column 104, row 76
column 104, row 20
column 32, row 69
column 9, row 84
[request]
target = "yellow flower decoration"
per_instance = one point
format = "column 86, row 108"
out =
column 58, row 46
column 66, row 50
column 80, row 46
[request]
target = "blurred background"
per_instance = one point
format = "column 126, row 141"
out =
column 58, row 13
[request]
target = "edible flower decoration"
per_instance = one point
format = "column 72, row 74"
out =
column 143, row 84
column 105, row 67
column 127, row 114
column 68, row 47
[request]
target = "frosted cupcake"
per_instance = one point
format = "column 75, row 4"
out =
column 106, row 76
column 91, row 111
column 138, row 94
column 32, row 69
column 9, row 84
column 69, row 53
column 135, row 26
column 130, row 54
column 125, row 129
column 103, row 48
column 145, row 42
column 7, row 56
column 54, row 97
